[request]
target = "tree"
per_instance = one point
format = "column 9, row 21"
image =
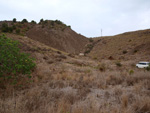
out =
column 14, row 20
column 41, row 21
column 12, row 61
column 33, row 22
column 24, row 21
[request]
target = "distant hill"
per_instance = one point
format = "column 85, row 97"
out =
column 56, row 34
column 68, row 83
column 130, row 45
column 52, row 33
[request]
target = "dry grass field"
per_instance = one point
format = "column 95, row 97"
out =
column 126, row 46
column 65, row 83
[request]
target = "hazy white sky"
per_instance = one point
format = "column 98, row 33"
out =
column 86, row 17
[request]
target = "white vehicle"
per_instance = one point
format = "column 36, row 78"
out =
column 143, row 64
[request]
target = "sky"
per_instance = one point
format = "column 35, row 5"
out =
column 91, row 18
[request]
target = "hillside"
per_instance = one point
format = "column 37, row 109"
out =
column 65, row 83
column 62, row 83
column 126, row 46
column 52, row 33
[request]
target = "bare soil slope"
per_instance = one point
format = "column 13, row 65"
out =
column 66, row 40
column 130, row 45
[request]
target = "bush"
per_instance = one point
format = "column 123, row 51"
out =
column 87, row 51
column 14, row 20
column 90, row 46
column 33, row 22
column 4, row 27
column 131, row 72
column 24, row 21
column 10, row 29
column 41, row 21
column 12, row 61
column 148, row 68
column 69, row 26
column 91, row 40
column 124, row 52
column 59, row 22
column 18, row 31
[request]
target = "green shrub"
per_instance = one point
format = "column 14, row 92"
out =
column 12, row 61
column 131, row 72
column 87, row 51
column 69, row 26
column 148, row 68
column 24, row 21
column 4, row 27
column 18, row 31
column 33, row 22
column 59, row 22
column 10, row 29
column 90, row 46
column 91, row 40
column 14, row 20
column 41, row 21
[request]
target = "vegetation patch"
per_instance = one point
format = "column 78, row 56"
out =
column 124, row 52
column 118, row 64
column 13, row 62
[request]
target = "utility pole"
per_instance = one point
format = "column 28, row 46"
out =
column 101, row 32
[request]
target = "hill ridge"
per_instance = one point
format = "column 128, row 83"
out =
column 55, row 34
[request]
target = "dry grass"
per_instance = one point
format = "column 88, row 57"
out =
column 126, row 46
column 101, row 93
column 63, row 84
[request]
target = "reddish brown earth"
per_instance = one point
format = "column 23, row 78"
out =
column 66, row 40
